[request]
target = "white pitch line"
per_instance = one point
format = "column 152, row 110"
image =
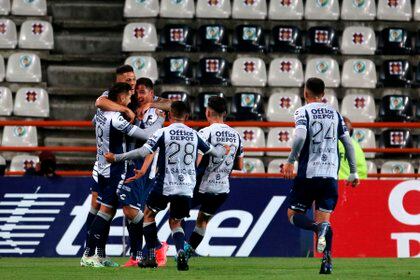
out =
column 8, row 235
column 37, row 195
column 21, row 243
column 10, row 227
column 16, row 251
column 16, row 219
column 29, row 211
column 32, row 203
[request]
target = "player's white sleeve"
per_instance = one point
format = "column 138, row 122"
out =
column 144, row 134
column 205, row 134
column 207, row 148
column 342, row 130
column 301, row 118
column 121, row 124
column 299, row 139
column 157, row 138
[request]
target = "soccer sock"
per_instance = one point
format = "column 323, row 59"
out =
column 91, row 216
column 150, row 234
column 196, row 237
column 179, row 238
column 99, row 232
column 303, row 222
column 133, row 247
column 329, row 239
column 137, row 231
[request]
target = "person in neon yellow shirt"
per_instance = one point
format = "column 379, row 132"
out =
column 344, row 171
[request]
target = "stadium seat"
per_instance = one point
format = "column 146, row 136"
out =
column 139, row 37
column 4, row 7
column 36, row 34
column 322, row 10
column 176, row 96
column 396, row 108
column 285, row 72
column 371, row 167
column 285, row 10
column 394, row 41
column 2, row 69
column 249, row 71
column 141, row 9
column 8, row 34
column 212, row 38
column 276, row 166
column 417, row 13
column 213, row 9
column 24, row 67
column 280, row 137
column 253, row 137
column 177, row 8
column 358, row 40
column 247, row 106
column 6, row 101
column 359, row 73
column 249, row 38
column 177, row 70
column 358, row 10
column 398, row 10
column 418, row 75
column 20, row 136
column 322, row 40
column 396, row 73
column 418, row 41
column 396, row 138
column 366, row 139
column 249, row 9
column 29, row 7
column 23, row 162
column 330, row 97
column 324, row 68
column 177, row 37
column 201, row 104
column 282, row 105
column 359, row 107
column 32, row 102
column 253, row 165
column 397, row 167
column 213, row 71
column 144, row 66
column 286, row 38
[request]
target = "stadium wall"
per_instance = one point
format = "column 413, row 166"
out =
column 381, row 218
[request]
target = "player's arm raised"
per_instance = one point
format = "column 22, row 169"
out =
column 344, row 137
column 162, row 104
column 105, row 104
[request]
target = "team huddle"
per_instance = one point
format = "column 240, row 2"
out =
column 142, row 167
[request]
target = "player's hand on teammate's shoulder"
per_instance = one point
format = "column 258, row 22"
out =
column 353, row 180
column 288, row 169
column 110, row 157
column 138, row 175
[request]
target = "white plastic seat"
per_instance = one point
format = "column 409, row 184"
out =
column 213, row 9
column 285, row 72
column 253, row 137
column 140, row 37
column 20, row 136
column 330, row 97
column 2, row 69
column 417, row 14
column 29, row 7
column 366, row 139
column 253, row 165
column 36, row 34
column 358, row 40
column 280, row 137
column 276, row 166
column 283, row 104
column 398, row 10
column 24, row 67
column 285, row 10
column 23, row 162
column 249, row 9
column 141, row 8
column 4, row 7
column 358, row 10
column 8, row 34
column 371, row 167
column 6, row 101
column 177, row 8
column 249, row 71
column 322, row 10
column 397, row 167
column 358, row 73
column 144, row 66
column 32, row 102
column 359, row 107
column 324, row 68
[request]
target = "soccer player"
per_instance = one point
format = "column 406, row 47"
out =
column 212, row 187
column 111, row 128
column 175, row 179
column 318, row 128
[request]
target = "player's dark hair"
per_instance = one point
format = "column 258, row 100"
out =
column 179, row 109
column 217, row 104
column 116, row 89
column 124, row 69
column 145, row 82
column 316, row 86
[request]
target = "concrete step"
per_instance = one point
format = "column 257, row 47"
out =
column 88, row 43
column 72, row 108
column 88, row 10
column 69, row 141
column 80, row 76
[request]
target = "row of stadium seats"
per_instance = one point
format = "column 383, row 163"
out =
column 21, row 67
column 140, row 37
column 34, row 34
column 29, row 102
column 283, row 72
column 23, row 7
column 398, row 10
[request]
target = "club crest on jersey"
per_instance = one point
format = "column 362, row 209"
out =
column 395, row 35
column 177, row 65
column 286, row 34
column 359, row 67
column 397, row 138
column 247, row 100
column 249, row 34
column 358, row 3
column 19, row 131
column 359, row 135
column 213, row 33
column 322, row 67
column 25, row 61
column 396, row 103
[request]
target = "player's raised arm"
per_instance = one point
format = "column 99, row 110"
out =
column 344, row 137
column 162, row 104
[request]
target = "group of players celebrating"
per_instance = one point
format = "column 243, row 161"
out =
column 143, row 167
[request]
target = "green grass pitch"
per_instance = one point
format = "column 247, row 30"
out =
column 213, row 268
